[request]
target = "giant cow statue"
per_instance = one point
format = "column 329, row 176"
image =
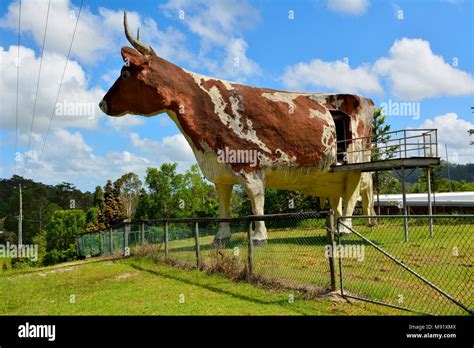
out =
column 290, row 137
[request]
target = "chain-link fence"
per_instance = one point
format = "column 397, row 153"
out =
column 293, row 256
column 426, row 267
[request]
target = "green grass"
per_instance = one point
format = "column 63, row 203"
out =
column 138, row 286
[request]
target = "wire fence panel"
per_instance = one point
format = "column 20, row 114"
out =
column 230, row 255
column 134, row 236
column 118, row 240
column 181, row 243
column 422, row 268
column 89, row 245
column 294, row 255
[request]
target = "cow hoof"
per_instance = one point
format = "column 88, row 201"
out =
column 220, row 242
column 258, row 243
column 343, row 232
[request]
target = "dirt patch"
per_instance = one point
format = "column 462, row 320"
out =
column 335, row 297
column 125, row 275
column 54, row 271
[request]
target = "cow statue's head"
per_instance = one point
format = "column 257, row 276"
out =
column 142, row 86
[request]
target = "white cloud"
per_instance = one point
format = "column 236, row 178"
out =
column 124, row 123
column 67, row 157
column 219, row 24
column 173, row 148
column 452, row 131
column 77, row 99
column 351, row 7
column 332, row 75
column 90, row 40
column 415, row 72
column 236, row 65
column 412, row 71
column 168, row 43
column 110, row 76
column 96, row 34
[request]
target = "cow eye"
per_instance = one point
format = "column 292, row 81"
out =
column 125, row 74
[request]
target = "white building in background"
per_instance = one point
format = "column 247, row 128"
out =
column 417, row 203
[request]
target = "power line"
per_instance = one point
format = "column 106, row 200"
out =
column 59, row 90
column 17, row 84
column 37, row 83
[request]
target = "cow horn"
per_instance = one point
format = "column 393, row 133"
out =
column 136, row 43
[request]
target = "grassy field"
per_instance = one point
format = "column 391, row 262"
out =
column 296, row 257
column 139, row 286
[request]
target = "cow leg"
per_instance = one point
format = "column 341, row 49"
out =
column 365, row 202
column 224, row 192
column 367, row 196
column 351, row 193
column 322, row 202
column 254, row 186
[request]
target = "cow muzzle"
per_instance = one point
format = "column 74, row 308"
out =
column 103, row 106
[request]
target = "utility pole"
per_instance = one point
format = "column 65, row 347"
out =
column 20, row 222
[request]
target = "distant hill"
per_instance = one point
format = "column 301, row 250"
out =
column 457, row 172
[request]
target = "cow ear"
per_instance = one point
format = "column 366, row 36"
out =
column 132, row 57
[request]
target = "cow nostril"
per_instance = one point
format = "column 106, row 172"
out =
column 103, row 106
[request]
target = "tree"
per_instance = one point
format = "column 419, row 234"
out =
column 200, row 198
column 143, row 206
column 92, row 220
column 173, row 194
column 99, row 200
column 471, row 132
column 281, row 201
column 382, row 180
column 39, row 203
column 61, row 233
column 130, row 190
column 114, row 207
column 165, row 186
column 440, row 183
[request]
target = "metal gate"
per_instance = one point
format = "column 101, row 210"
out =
column 400, row 262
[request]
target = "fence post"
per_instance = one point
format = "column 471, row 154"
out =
column 196, row 240
column 250, row 251
column 430, row 210
column 78, row 251
column 126, row 231
column 111, row 244
column 330, row 237
column 166, row 240
column 142, row 232
column 405, row 210
column 100, row 243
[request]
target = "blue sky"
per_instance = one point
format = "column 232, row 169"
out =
column 419, row 52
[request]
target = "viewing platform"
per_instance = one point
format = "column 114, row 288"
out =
column 401, row 149
column 391, row 151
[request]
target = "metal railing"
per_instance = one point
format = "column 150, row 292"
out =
column 406, row 143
